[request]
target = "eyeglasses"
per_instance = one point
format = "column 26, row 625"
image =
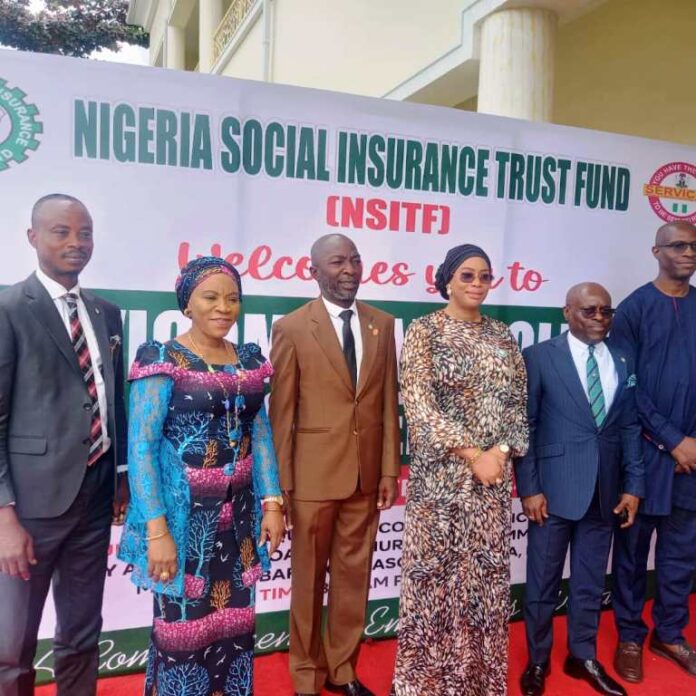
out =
column 485, row 277
column 591, row 312
column 679, row 247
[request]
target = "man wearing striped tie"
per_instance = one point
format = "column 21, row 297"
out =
column 62, row 452
column 583, row 470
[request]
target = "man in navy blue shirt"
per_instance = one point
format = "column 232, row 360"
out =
column 657, row 324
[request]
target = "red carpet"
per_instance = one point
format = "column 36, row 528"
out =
column 377, row 660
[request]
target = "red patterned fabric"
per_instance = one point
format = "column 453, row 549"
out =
column 79, row 341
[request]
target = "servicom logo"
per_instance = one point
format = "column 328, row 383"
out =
column 671, row 192
column 19, row 126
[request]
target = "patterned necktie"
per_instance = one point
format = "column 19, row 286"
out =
column 79, row 342
column 349, row 345
column 594, row 389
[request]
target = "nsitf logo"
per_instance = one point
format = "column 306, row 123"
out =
column 671, row 192
column 19, row 126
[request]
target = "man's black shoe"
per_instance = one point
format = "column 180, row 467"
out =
column 593, row 673
column 354, row 688
column 533, row 679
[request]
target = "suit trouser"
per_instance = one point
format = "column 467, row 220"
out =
column 590, row 540
column 342, row 533
column 71, row 550
column 675, row 563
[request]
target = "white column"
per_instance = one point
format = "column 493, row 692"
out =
column 209, row 17
column 176, row 48
column 517, row 64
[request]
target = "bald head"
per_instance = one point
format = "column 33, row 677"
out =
column 326, row 244
column 577, row 295
column 48, row 201
column 667, row 233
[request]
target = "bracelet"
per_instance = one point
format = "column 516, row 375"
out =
column 273, row 499
column 159, row 535
column 472, row 460
column 273, row 510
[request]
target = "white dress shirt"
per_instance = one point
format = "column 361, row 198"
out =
column 58, row 293
column 607, row 370
column 335, row 312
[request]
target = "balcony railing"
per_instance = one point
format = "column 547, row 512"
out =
column 234, row 18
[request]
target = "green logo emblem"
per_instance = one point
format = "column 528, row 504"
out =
column 18, row 126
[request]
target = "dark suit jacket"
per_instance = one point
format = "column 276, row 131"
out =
column 45, row 410
column 329, row 436
column 568, row 455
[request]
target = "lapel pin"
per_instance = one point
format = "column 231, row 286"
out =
column 623, row 359
column 96, row 310
column 374, row 329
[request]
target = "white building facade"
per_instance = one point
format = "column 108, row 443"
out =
column 605, row 64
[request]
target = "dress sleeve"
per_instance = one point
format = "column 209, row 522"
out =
column 152, row 358
column 150, row 394
column 518, row 425
column 265, row 464
column 430, row 430
column 526, row 471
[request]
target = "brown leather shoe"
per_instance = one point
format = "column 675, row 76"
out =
column 628, row 662
column 681, row 654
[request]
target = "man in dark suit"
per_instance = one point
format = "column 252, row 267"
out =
column 62, row 442
column 583, row 468
column 336, row 432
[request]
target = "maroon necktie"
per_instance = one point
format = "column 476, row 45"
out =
column 79, row 342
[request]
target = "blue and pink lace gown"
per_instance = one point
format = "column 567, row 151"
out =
column 183, row 464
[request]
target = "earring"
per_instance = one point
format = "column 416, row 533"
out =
column 449, row 290
column 187, row 313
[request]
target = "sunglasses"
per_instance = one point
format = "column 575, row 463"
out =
column 679, row 247
column 485, row 277
column 591, row 312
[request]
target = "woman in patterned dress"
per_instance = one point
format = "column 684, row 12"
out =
column 204, row 486
column 463, row 385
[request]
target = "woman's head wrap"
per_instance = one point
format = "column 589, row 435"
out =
column 196, row 271
column 454, row 259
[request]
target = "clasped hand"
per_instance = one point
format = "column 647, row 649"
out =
column 684, row 454
column 489, row 467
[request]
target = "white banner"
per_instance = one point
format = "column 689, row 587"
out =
column 174, row 164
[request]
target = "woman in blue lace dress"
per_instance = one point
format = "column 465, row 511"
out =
column 205, row 499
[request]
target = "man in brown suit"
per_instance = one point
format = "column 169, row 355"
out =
column 335, row 426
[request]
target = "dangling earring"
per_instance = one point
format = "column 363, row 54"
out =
column 449, row 291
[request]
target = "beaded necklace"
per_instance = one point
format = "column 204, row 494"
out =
column 234, row 435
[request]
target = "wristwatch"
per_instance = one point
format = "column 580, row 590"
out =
column 273, row 499
column 504, row 448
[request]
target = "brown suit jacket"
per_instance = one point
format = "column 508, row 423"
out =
column 329, row 437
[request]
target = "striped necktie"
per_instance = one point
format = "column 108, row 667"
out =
column 594, row 389
column 79, row 342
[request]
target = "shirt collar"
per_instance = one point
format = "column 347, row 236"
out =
column 335, row 311
column 579, row 348
column 54, row 289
